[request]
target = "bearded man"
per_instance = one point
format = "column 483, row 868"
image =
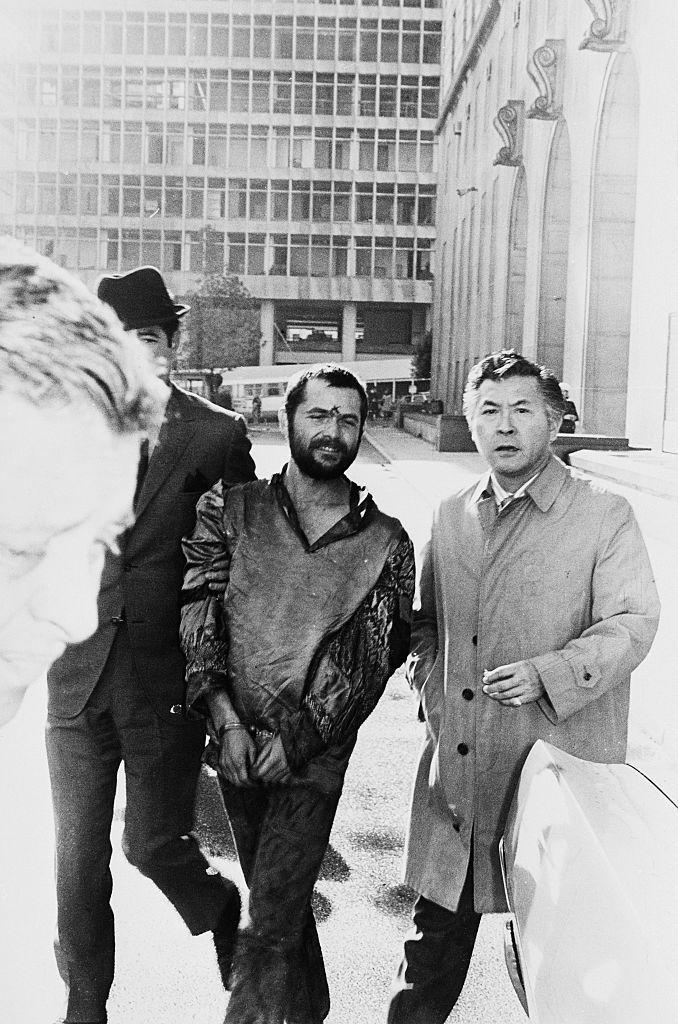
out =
column 286, row 667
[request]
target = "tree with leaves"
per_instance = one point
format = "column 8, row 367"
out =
column 223, row 328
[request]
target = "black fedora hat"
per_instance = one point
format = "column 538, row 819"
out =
column 140, row 298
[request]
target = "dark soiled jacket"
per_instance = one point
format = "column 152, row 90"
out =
column 306, row 636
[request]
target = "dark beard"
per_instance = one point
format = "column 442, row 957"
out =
column 311, row 466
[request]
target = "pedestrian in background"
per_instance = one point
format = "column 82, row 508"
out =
column 537, row 601
column 570, row 415
column 119, row 696
column 75, row 395
column 315, row 619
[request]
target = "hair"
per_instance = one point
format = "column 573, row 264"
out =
column 170, row 327
column 334, row 376
column 509, row 363
column 61, row 346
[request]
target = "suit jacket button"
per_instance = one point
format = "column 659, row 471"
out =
column 467, row 693
column 117, row 619
column 456, row 826
column 462, row 748
column 177, row 709
column 587, row 676
column 127, row 567
column 475, row 639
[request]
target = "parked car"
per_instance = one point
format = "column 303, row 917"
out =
column 590, row 864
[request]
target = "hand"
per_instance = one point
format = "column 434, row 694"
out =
column 217, row 574
column 271, row 764
column 513, row 685
column 237, row 754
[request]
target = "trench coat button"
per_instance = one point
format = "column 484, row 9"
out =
column 467, row 693
column 177, row 709
column 587, row 676
column 475, row 639
column 456, row 826
column 462, row 748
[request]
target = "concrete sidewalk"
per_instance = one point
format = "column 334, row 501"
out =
column 649, row 481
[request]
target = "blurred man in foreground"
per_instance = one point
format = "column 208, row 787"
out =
column 75, row 394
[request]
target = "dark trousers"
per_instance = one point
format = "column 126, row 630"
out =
column 162, row 765
column 435, row 961
column 281, row 834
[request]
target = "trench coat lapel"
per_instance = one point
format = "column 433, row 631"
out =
column 175, row 436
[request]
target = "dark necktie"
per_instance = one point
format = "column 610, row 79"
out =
column 142, row 469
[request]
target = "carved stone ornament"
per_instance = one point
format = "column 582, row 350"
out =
column 608, row 29
column 510, row 123
column 546, row 71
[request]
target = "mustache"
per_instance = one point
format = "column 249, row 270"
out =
column 336, row 446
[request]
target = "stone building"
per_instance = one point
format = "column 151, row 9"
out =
column 558, row 207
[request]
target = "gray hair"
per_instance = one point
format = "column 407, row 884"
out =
column 61, row 346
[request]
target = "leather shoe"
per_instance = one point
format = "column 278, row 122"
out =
column 226, row 932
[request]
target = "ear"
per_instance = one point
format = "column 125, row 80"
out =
column 554, row 425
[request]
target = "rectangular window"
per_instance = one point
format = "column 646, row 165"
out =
column 345, row 93
column 404, row 258
column 387, row 96
column 240, row 91
column 47, row 194
column 410, row 42
column 197, row 35
column 426, row 213
column 262, row 36
column 155, row 35
column 304, row 39
column 324, row 94
column 152, row 201
column 217, row 153
column 151, row 248
column 172, row 250
column 258, row 200
column 283, row 39
column 238, row 152
column 259, row 146
column 405, row 204
column 302, row 148
column 342, row 200
column 339, row 256
column 176, row 36
column 196, row 144
column 303, row 94
column 89, row 194
column 386, row 151
column 110, row 195
column 255, row 254
column 68, row 139
column 347, row 39
column 219, row 35
column 432, row 37
column 389, row 41
column 383, row 210
column 383, row 257
column 154, row 144
column 237, row 198
column 174, row 145
column 197, row 89
column 279, row 264
column 301, row 200
column 91, row 87
column 299, row 256
column 366, row 151
column 70, row 87
column 216, row 199
column 282, row 93
column 280, row 195
column 342, row 149
column 363, row 257
column 134, row 88
column 219, row 90
column 368, row 40
column 320, row 256
column 236, row 253
column 261, row 92
column 241, row 36
column 322, row 201
column 364, row 203
column 281, row 138
column 194, row 197
column 174, row 197
column 89, row 144
column 323, row 148
column 131, row 196
column 326, row 38
column 430, row 89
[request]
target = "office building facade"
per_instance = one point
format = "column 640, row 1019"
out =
column 289, row 142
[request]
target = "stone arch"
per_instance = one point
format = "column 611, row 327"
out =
column 611, row 252
column 517, row 259
column 555, row 253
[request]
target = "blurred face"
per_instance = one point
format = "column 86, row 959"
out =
column 325, row 432
column 68, row 484
column 159, row 348
column 512, row 430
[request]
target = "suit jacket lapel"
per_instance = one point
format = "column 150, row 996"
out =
column 176, row 434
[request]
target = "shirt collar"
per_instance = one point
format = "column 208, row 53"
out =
column 543, row 488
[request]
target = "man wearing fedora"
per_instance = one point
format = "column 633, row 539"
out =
column 119, row 696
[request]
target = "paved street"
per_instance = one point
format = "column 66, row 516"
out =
column 165, row 976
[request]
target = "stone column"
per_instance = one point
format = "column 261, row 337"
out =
column 267, row 324
column 348, row 326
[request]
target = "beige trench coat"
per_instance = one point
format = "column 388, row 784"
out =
column 562, row 578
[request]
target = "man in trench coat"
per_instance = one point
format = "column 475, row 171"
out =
column 537, row 602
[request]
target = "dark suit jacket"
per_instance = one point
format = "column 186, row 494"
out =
column 199, row 444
